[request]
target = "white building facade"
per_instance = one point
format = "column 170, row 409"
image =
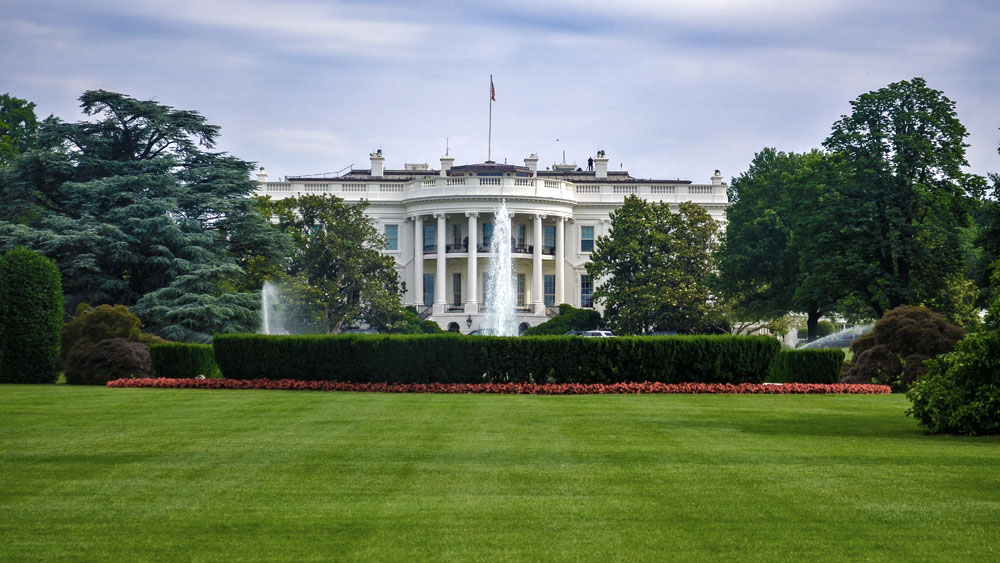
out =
column 439, row 223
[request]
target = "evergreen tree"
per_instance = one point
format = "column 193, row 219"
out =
column 132, row 204
column 31, row 312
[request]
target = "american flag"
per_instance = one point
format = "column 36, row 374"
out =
column 493, row 91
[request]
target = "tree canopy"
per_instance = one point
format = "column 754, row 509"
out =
column 18, row 127
column 136, row 210
column 652, row 270
column 339, row 275
column 902, row 199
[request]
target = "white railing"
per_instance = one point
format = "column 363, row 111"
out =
column 428, row 183
column 588, row 189
column 524, row 182
column 279, row 186
column 490, row 181
column 700, row 190
column 663, row 189
column 390, row 187
column 552, row 184
column 456, row 181
column 355, row 188
column 625, row 189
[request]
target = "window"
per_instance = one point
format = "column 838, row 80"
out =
column 456, row 235
column 456, row 289
column 520, row 290
column 487, row 234
column 428, row 289
column 430, row 238
column 586, row 291
column 550, row 290
column 521, row 229
column 392, row 237
column 549, row 235
column 586, row 239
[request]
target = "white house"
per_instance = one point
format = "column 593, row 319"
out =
column 438, row 224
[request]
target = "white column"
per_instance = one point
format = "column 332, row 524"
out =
column 560, row 260
column 440, row 299
column 537, row 301
column 418, row 262
column 471, row 276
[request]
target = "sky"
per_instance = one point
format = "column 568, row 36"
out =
column 667, row 88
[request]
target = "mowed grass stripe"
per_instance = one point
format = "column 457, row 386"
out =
column 146, row 474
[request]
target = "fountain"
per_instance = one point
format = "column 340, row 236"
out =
column 500, row 319
column 271, row 318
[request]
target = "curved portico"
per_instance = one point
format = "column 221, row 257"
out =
column 439, row 225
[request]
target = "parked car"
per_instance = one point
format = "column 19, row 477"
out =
column 597, row 334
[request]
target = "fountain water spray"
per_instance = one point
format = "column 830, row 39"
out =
column 271, row 319
column 500, row 319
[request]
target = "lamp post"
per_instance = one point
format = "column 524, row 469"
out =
column 468, row 322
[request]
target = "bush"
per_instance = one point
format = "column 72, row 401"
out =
column 569, row 318
column 898, row 345
column 807, row 366
column 451, row 358
column 181, row 360
column 961, row 391
column 31, row 312
column 91, row 325
column 108, row 360
column 825, row 328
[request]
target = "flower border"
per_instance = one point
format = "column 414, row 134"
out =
column 627, row 388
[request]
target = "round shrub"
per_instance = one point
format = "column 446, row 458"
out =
column 961, row 391
column 31, row 312
column 895, row 351
column 107, row 360
column 91, row 325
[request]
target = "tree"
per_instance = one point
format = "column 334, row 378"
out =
column 339, row 275
column 18, row 128
column 31, row 305
column 131, row 205
column 902, row 200
column 760, row 258
column 569, row 319
column 653, row 268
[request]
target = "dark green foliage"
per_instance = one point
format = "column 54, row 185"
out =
column 895, row 350
column 411, row 323
column 31, row 309
column 807, row 366
column 450, row 358
column 656, row 265
column 825, row 328
column 107, row 360
column 569, row 319
column 901, row 201
column 183, row 360
column 136, row 210
column 18, row 127
column 91, row 325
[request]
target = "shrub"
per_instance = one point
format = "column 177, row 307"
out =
column 182, row 359
column 895, row 350
column 825, row 328
column 108, row 360
column 569, row 318
column 807, row 366
column 91, row 325
column 31, row 311
column 451, row 358
column 961, row 391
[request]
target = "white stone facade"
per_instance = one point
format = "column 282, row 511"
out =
column 437, row 222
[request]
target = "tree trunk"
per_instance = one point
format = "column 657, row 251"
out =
column 812, row 320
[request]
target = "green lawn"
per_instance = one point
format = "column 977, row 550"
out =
column 146, row 474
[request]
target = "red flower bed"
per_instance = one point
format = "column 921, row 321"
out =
column 511, row 388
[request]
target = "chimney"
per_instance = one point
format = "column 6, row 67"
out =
column 378, row 163
column 446, row 163
column 717, row 178
column 532, row 163
column 600, row 165
column 262, row 176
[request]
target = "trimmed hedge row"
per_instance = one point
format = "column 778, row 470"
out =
column 451, row 358
column 807, row 366
column 178, row 360
column 31, row 312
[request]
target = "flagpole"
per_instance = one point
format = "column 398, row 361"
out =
column 489, row 138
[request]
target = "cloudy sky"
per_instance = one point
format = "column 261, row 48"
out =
column 668, row 88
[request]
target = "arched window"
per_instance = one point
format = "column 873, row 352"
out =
column 523, row 327
column 453, row 327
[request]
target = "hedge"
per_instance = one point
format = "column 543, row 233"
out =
column 182, row 359
column 31, row 314
column 807, row 366
column 452, row 358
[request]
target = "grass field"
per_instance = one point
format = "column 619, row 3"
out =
column 144, row 474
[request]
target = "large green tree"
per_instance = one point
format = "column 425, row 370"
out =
column 901, row 201
column 136, row 209
column 759, row 259
column 18, row 128
column 654, row 266
column 338, row 274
